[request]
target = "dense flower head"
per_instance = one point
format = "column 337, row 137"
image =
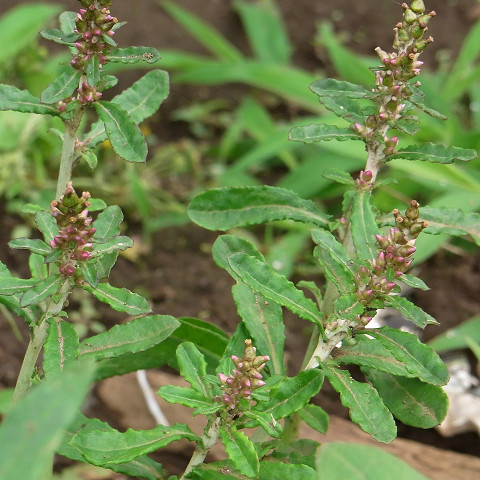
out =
column 245, row 378
column 75, row 230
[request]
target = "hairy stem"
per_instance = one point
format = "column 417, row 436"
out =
column 209, row 439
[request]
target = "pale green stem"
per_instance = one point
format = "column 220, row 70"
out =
column 209, row 439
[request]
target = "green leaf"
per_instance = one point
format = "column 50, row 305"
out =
column 419, row 359
column 226, row 208
column 112, row 245
column 142, row 466
column 93, row 71
column 333, row 257
column 240, row 451
column 61, row 346
column 101, row 448
column 409, row 310
column 364, row 226
column 455, row 338
column 299, row 452
column 134, row 55
column 264, row 320
column 315, row 417
column 265, row 31
column 11, row 98
column 67, row 22
column 210, row 38
column 185, row 396
column 413, row 402
column 98, row 268
column 11, row 285
column 338, row 461
column 58, row 36
column 120, row 299
column 321, row 132
column 108, row 222
column 452, row 221
column 225, row 245
column 35, row 426
column 42, row 290
column 126, row 138
column 47, row 224
column 339, row 176
column 262, row 278
column 347, row 307
column 292, row 394
column 276, row 470
column 435, row 153
column 62, row 87
column 330, row 87
column 19, row 28
column 137, row 335
column 140, row 101
column 193, row 368
column 366, row 407
column 34, row 245
column 269, row 424
column 413, row 281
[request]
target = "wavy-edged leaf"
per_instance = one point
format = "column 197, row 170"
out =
column 61, row 346
column 330, row 87
column 364, row 225
column 47, row 224
column 134, row 55
column 193, row 368
column 435, row 153
column 339, row 176
column 315, row 417
column 103, row 447
column 240, row 451
column 12, row 98
column 141, row 467
column 185, row 396
column 409, row 310
column 225, row 208
column 452, row 221
column 262, row 278
column 135, row 336
column 226, row 245
column 114, row 244
column 456, row 338
column 41, row 290
column 126, row 138
column 347, row 307
column 321, row 132
column 419, row 359
column 414, row 282
column 292, row 394
column 140, row 101
column 264, row 321
column 63, row 86
column 98, row 268
column 366, row 407
column 413, row 402
column 11, row 285
column 120, row 299
column 338, row 461
column 58, row 36
column 34, row 245
column 107, row 223
column 332, row 255
column 292, row 471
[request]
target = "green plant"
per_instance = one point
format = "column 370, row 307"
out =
column 233, row 385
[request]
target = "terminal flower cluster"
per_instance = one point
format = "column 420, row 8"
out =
column 394, row 259
column 245, row 378
column 75, row 230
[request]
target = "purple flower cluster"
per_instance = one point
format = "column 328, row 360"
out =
column 75, row 230
column 245, row 378
column 396, row 253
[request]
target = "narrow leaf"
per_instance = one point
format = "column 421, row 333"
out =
column 112, row 245
column 98, row 268
column 58, row 36
column 62, row 87
column 339, row 176
column 226, row 208
column 321, row 132
column 413, row 402
column 409, row 310
column 338, row 461
column 124, row 135
column 61, row 346
column 41, row 290
column 330, row 87
column 366, row 407
column 264, row 321
column 119, row 299
column 185, row 396
column 262, row 278
column 34, row 245
column 435, row 153
column 364, row 226
column 11, row 98
column 11, row 285
column 101, row 447
column 276, row 470
column 134, row 55
column 240, row 451
column 226, row 245
column 315, row 417
column 193, row 368
column 108, row 222
column 418, row 358
column 455, row 338
column 413, row 281
column 47, row 224
column 137, row 335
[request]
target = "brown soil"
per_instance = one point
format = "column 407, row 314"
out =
column 178, row 273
